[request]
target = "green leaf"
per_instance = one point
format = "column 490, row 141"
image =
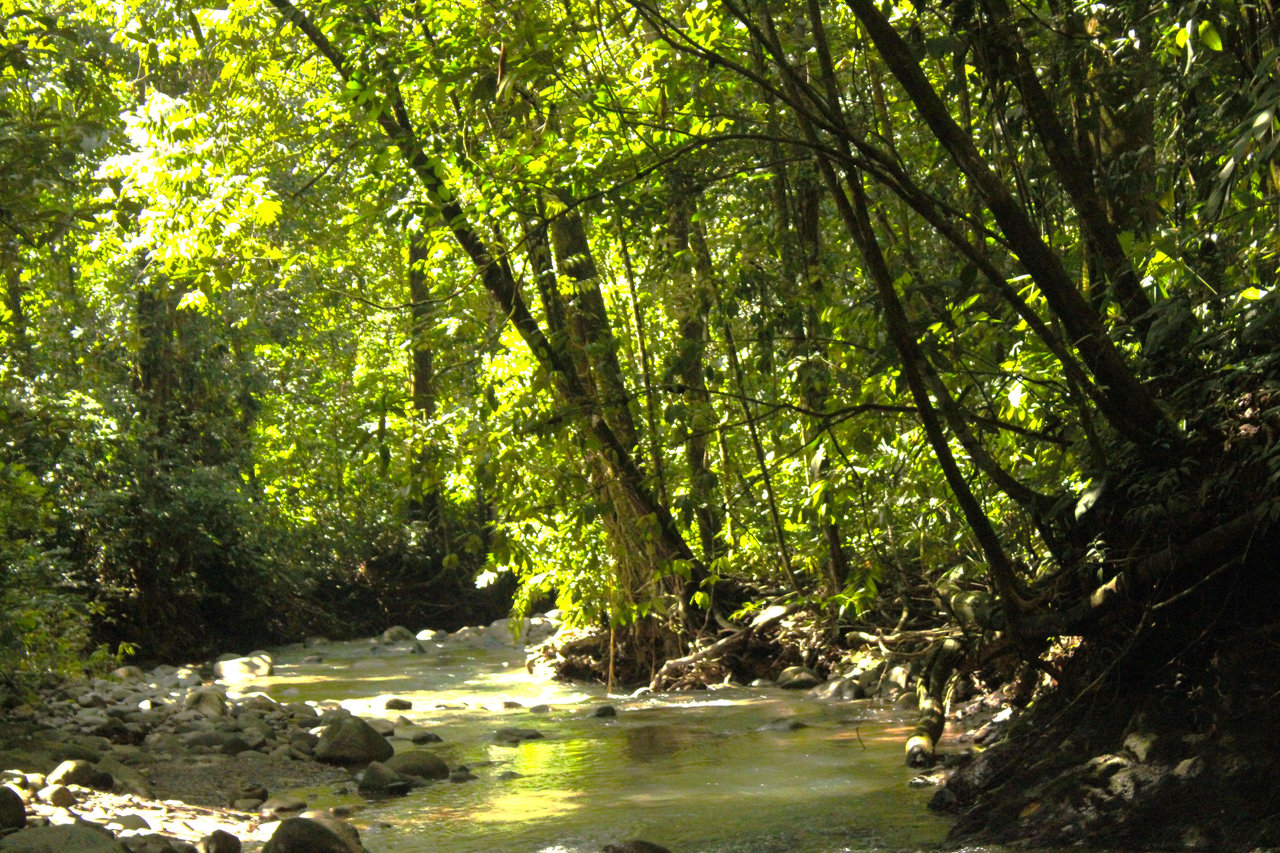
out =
column 266, row 211
column 1209, row 36
column 194, row 300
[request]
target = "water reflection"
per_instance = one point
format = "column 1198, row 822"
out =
column 695, row 772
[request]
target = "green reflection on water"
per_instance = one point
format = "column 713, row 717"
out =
column 692, row 772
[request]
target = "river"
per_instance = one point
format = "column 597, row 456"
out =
column 750, row 770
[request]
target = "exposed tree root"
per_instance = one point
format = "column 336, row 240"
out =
column 668, row 673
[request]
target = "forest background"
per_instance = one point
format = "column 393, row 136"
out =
column 315, row 315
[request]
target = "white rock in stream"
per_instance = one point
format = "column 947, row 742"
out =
column 255, row 665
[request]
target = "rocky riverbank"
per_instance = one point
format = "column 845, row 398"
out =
column 178, row 759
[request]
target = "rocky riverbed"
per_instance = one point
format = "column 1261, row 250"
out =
column 181, row 759
column 178, row 759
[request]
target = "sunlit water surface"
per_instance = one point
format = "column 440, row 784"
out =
column 693, row 771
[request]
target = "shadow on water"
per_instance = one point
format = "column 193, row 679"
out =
column 709, row 771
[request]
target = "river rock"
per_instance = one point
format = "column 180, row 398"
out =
column 382, row 726
column 69, row 746
column 785, row 724
column 207, row 701
column 378, row 778
column 539, row 628
column 1140, row 745
column 419, row 762
column 416, row 734
column 635, row 846
column 248, row 791
column 235, row 744
column 512, row 737
column 395, row 703
column 153, row 843
column 77, row 772
column 254, row 665
column 427, row 635
column 128, row 673
column 424, row 736
column 843, row 689
column 204, row 738
column 130, row 821
column 92, row 699
column 907, row 700
column 397, row 634
column 13, row 811
column 305, row 835
column 340, row 828
column 176, row 677
column 350, row 740
column 462, row 774
column 77, row 837
column 304, row 743
column 510, row 632
column 219, row 841
column 798, row 678
column 58, row 796
column 282, row 804
column 126, row 778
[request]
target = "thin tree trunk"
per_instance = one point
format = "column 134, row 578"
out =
column 694, row 307
column 653, row 424
column 14, row 296
column 424, row 504
column 815, row 377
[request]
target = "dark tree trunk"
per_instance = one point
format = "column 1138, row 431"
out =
column 424, row 502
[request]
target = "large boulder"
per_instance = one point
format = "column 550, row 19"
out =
column 80, row 837
column 350, row 740
column 304, row 835
column 251, row 666
column 419, row 762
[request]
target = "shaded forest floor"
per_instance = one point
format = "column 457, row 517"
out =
column 1141, row 757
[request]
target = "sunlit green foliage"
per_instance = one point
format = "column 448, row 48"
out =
column 208, row 332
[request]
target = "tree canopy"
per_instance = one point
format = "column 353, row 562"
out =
column 660, row 311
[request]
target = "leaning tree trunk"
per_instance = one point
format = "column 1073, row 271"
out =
column 391, row 115
column 588, row 333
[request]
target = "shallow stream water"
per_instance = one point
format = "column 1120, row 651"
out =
column 704, row 771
